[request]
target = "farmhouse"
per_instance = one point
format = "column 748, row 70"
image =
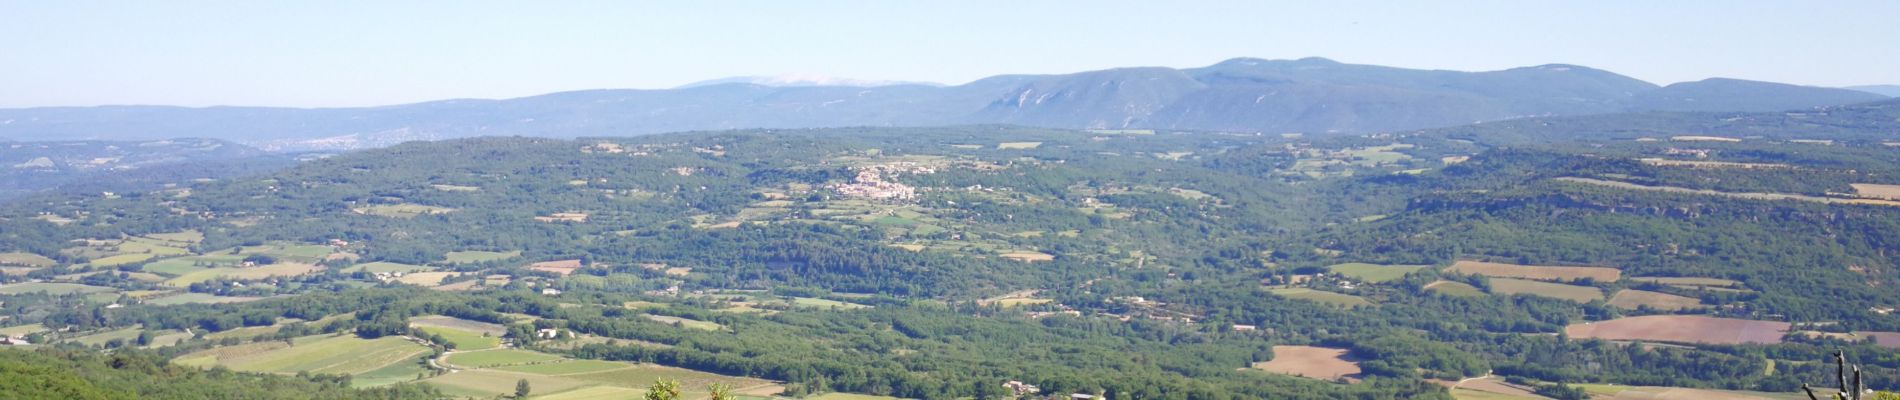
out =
column 1245, row 328
column 550, row 292
column 14, row 341
column 550, row 333
column 1021, row 389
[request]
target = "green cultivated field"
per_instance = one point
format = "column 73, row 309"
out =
column 122, row 259
column 185, row 265
column 196, row 298
column 1454, row 289
column 55, row 288
column 1344, row 300
column 401, row 210
column 100, row 339
column 488, row 383
column 1580, row 294
column 688, row 323
column 465, row 257
column 26, row 260
column 498, row 357
column 1374, row 273
column 260, row 272
column 807, row 302
column 402, row 371
column 22, row 330
column 464, row 340
column 566, row 367
column 316, row 354
column 382, row 266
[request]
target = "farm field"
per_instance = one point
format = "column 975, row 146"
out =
column 184, row 265
column 383, row 266
column 1889, row 192
column 1687, row 281
column 100, row 338
column 1631, row 299
column 566, row 367
column 439, row 321
column 497, row 357
column 849, row 396
column 1620, row 392
column 464, row 340
column 488, row 383
column 332, row 354
column 1343, row 300
column 1709, row 164
column 1309, row 361
column 1374, row 273
column 490, row 373
column 1580, row 294
column 1018, row 145
column 122, row 259
column 1537, row 272
column 181, row 237
column 1889, row 340
column 465, row 334
column 1028, row 256
column 1682, row 329
column 425, row 279
column 474, row 256
column 55, row 288
column 259, row 272
column 1454, row 289
column 687, row 323
column 823, row 304
column 1488, row 388
column 595, row 392
column 196, row 298
column 22, row 330
column 1740, row 195
column 401, row 210
column 26, row 260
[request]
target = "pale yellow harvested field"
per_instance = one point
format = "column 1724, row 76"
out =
column 425, row 278
column 1632, row 299
column 1538, row 272
column 1309, row 361
column 1889, row 192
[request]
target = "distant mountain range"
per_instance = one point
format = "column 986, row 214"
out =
column 1312, row 95
column 796, row 80
column 29, row 167
column 1884, row 90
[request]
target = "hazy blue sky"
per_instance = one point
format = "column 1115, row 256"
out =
column 339, row 53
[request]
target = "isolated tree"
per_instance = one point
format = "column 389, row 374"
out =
column 521, row 389
column 664, row 389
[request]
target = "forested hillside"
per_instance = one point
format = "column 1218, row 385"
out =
column 943, row 263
